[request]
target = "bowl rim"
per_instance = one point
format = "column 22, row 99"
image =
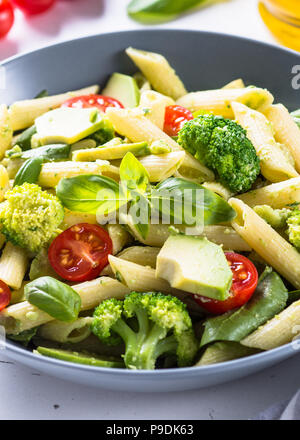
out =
column 278, row 352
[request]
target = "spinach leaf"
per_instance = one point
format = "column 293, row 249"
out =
column 47, row 152
column 90, row 193
column 29, row 171
column 54, row 297
column 24, row 337
column 199, row 205
column 24, row 139
column 293, row 296
column 269, row 299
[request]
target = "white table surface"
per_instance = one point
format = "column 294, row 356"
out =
column 28, row 394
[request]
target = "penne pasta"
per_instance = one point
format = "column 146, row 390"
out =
column 158, row 72
column 13, row 265
column 219, row 189
column 134, row 125
column 142, row 279
column 277, row 195
column 4, row 182
column 273, row 248
column 154, row 106
column 222, row 235
column 24, row 316
column 275, row 164
column 119, row 237
column 144, row 255
column 66, row 332
column 23, row 113
column 286, row 130
column 53, row 172
column 162, row 166
column 280, row 330
column 219, row 102
column 235, row 84
column 73, row 218
column 6, row 132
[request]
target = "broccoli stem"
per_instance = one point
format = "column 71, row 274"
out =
column 142, row 348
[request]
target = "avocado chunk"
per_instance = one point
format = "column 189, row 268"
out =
column 123, row 88
column 67, row 125
column 195, row 265
column 81, row 358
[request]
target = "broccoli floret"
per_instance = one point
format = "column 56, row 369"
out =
column 222, row 145
column 29, row 217
column 151, row 325
column 293, row 230
column 275, row 217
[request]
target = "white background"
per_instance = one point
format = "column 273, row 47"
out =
column 28, row 394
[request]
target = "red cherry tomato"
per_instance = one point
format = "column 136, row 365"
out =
column 34, row 6
column 5, row 295
column 87, row 101
column 6, row 17
column 244, row 282
column 175, row 118
column 80, row 252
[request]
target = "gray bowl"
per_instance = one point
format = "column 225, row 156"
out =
column 204, row 61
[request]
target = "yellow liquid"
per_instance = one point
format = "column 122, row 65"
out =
column 283, row 19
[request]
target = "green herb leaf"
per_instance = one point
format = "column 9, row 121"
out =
column 29, row 171
column 54, row 297
column 158, row 11
column 90, row 193
column 42, row 94
column 24, row 337
column 48, row 152
column 293, row 296
column 24, row 139
column 134, row 176
column 199, row 205
column 269, row 299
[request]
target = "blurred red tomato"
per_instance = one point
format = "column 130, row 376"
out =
column 6, row 17
column 34, row 6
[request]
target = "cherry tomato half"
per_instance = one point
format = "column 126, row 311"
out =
column 175, row 118
column 7, row 17
column 87, row 101
column 34, row 6
column 244, row 282
column 5, row 295
column 80, row 252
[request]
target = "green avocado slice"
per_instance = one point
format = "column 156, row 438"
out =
column 123, row 88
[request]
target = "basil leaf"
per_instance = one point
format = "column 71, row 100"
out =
column 42, row 94
column 90, row 193
column 29, row 171
column 24, row 139
column 54, row 297
column 269, row 299
column 133, row 175
column 158, row 11
column 48, row 152
column 197, row 204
